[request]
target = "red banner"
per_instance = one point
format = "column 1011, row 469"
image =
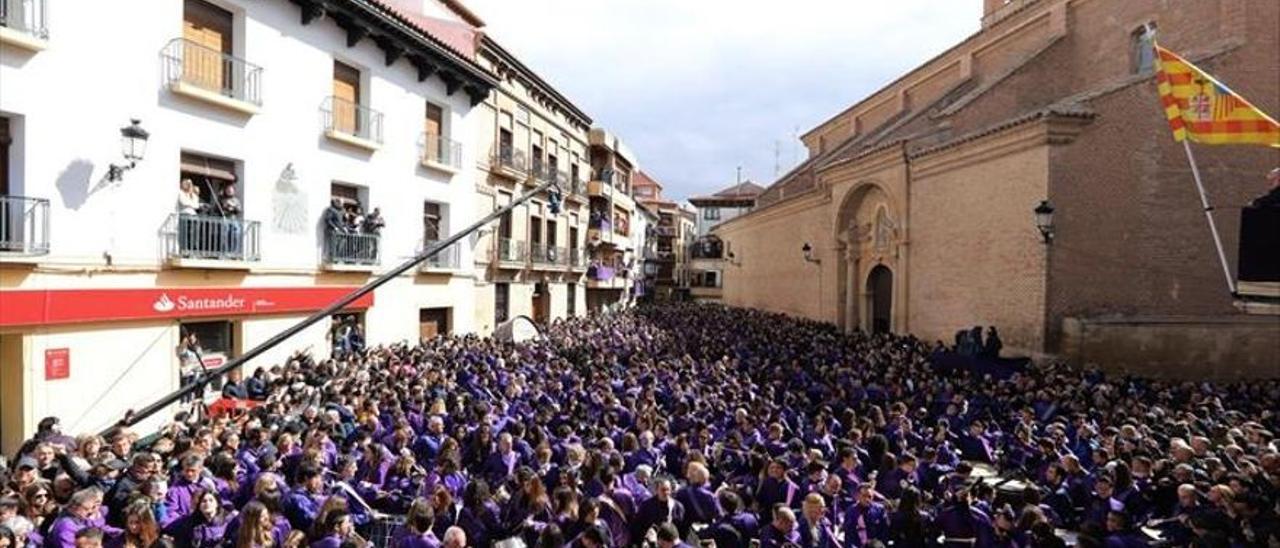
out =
column 57, row 363
column 47, row 307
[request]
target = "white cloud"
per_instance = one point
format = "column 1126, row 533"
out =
column 698, row 87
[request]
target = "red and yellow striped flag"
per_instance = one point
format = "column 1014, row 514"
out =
column 1200, row 108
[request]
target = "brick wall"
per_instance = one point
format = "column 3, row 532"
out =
column 975, row 255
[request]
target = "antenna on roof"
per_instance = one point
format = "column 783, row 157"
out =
column 739, row 174
column 777, row 158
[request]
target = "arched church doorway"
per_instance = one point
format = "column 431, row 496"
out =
column 880, row 286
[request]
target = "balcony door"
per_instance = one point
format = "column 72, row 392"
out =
column 434, row 131
column 346, row 98
column 207, row 30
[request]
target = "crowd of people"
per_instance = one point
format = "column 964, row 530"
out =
column 672, row 426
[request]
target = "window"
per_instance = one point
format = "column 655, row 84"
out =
column 434, row 130
column 551, row 233
column 535, row 230
column 346, row 98
column 573, row 237
column 571, row 290
column 711, row 214
column 206, row 31
column 216, row 343
column 431, row 229
column 501, row 293
column 1142, row 40
column 504, row 222
column 211, row 178
column 433, row 322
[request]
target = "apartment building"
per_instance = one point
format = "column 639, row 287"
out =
column 612, row 214
column 673, row 235
column 532, row 261
column 243, row 197
column 708, row 254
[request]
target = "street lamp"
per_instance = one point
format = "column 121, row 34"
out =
column 1044, row 220
column 133, row 146
column 808, row 253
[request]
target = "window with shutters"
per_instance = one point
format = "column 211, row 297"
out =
column 206, row 30
column 346, row 98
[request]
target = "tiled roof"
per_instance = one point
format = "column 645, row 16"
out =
column 459, row 38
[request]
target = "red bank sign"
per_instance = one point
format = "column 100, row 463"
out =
column 47, row 307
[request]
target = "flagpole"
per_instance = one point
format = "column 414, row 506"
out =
column 1208, row 215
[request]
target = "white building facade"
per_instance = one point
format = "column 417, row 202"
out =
column 287, row 106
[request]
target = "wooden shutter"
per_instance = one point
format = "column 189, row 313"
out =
column 434, row 130
column 207, row 29
column 346, row 94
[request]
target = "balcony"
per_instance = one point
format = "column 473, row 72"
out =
column 24, row 227
column 606, row 276
column 599, row 189
column 205, row 74
column 509, row 162
column 577, row 259
column 446, row 260
column 351, row 252
column 441, row 153
column 537, row 168
column 543, row 256
column 24, row 24
column 351, row 124
column 511, row 253
column 600, row 231
column 203, row 241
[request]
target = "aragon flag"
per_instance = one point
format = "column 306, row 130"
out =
column 1204, row 110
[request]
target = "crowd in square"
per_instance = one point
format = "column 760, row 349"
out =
column 671, row 425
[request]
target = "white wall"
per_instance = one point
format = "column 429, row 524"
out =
column 103, row 67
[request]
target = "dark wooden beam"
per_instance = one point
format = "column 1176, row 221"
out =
column 476, row 93
column 451, row 82
column 425, row 67
column 390, row 47
column 356, row 30
column 311, row 10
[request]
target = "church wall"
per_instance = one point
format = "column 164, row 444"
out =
column 976, row 257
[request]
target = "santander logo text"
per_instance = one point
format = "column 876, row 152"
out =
column 184, row 303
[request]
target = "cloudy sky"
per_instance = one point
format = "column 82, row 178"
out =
column 699, row 87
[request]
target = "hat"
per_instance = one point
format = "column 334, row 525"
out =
column 27, row 462
column 115, row 464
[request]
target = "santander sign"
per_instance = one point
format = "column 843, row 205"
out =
column 64, row 306
column 229, row 303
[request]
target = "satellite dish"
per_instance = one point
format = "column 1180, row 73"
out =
column 518, row 329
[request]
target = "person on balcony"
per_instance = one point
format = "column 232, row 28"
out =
column 189, row 206
column 229, row 205
column 373, row 223
column 335, row 222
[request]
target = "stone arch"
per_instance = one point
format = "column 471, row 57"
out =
column 870, row 231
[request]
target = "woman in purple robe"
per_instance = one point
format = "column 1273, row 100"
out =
column 206, row 527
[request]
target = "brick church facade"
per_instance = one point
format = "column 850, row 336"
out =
column 917, row 200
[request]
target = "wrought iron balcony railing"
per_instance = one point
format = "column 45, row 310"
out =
column 352, row 248
column 211, row 238
column 26, row 16
column 439, row 149
column 348, row 118
column 24, row 225
column 190, row 63
column 511, row 251
column 446, row 259
column 510, row 158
